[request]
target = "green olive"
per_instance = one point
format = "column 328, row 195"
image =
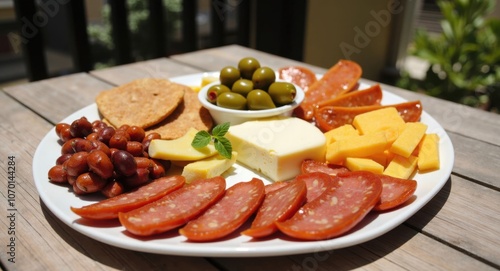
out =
column 242, row 86
column 229, row 75
column 282, row 92
column 247, row 67
column 263, row 77
column 232, row 100
column 214, row 91
column 259, row 99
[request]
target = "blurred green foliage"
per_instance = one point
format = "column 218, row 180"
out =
column 464, row 59
column 100, row 34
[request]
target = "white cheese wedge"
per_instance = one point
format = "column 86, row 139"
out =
column 276, row 147
column 208, row 167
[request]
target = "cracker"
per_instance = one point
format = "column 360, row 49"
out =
column 142, row 102
column 190, row 113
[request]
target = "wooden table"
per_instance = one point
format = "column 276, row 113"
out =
column 459, row 229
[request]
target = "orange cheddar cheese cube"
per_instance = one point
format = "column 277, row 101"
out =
column 382, row 158
column 409, row 138
column 401, row 167
column 428, row 154
column 359, row 146
column 378, row 120
column 339, row 133
column 365, row 164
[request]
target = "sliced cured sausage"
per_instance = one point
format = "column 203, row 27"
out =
column 316, row 183
column 369, row 96
column 301, row 76
column 228, row 214
column 343, row 205
column 310, row 165
column 278, row 205
column 395, row 191
column 339, row 79
column 110, row 207
column 174, row 209
column 331, row 117
column 275, row 186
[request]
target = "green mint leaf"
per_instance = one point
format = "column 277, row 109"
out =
column 223, row 146
column 201, row 139
column 221, row 129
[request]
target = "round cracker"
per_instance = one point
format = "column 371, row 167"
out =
column 142, row 102
column 190, row 113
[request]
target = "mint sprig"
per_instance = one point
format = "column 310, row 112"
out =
column 221, row 143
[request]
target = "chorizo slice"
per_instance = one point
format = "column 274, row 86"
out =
column 316, row 183
column 369, row 96
column 327, row 118
column 395, row 191
column 239, row 202
column 339, row 79
column 301, row 76
column 174, row 209
column 275, row 186
column 309, row 165
column 341, row 207
column 110, row 207
column 278, row 205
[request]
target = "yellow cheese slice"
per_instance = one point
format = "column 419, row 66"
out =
column 180, row 149
column 208, row 167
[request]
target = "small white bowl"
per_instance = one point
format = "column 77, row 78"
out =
column 233, row 116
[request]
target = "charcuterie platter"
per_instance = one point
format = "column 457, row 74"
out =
column 59, row 199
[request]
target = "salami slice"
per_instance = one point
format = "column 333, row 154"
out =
column 278, row 205
column 339, row 79
column 301, row 76
column 395, row 191
column 369, row 96
column 343, row 205
column 310, row 165
column 228, row 214
column 316, row 183
column 110, row 207
column 174, row 209
column 275, row 186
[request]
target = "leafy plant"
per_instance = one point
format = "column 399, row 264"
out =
column 464, row 59
column 221, row 143
column 138, row 15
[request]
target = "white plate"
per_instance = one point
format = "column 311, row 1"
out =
column 59, row 199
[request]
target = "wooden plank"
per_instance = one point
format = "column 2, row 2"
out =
column 474, row 158
column 464, row 215
column 402, row 248
column 56, row 98
column 157, row 68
